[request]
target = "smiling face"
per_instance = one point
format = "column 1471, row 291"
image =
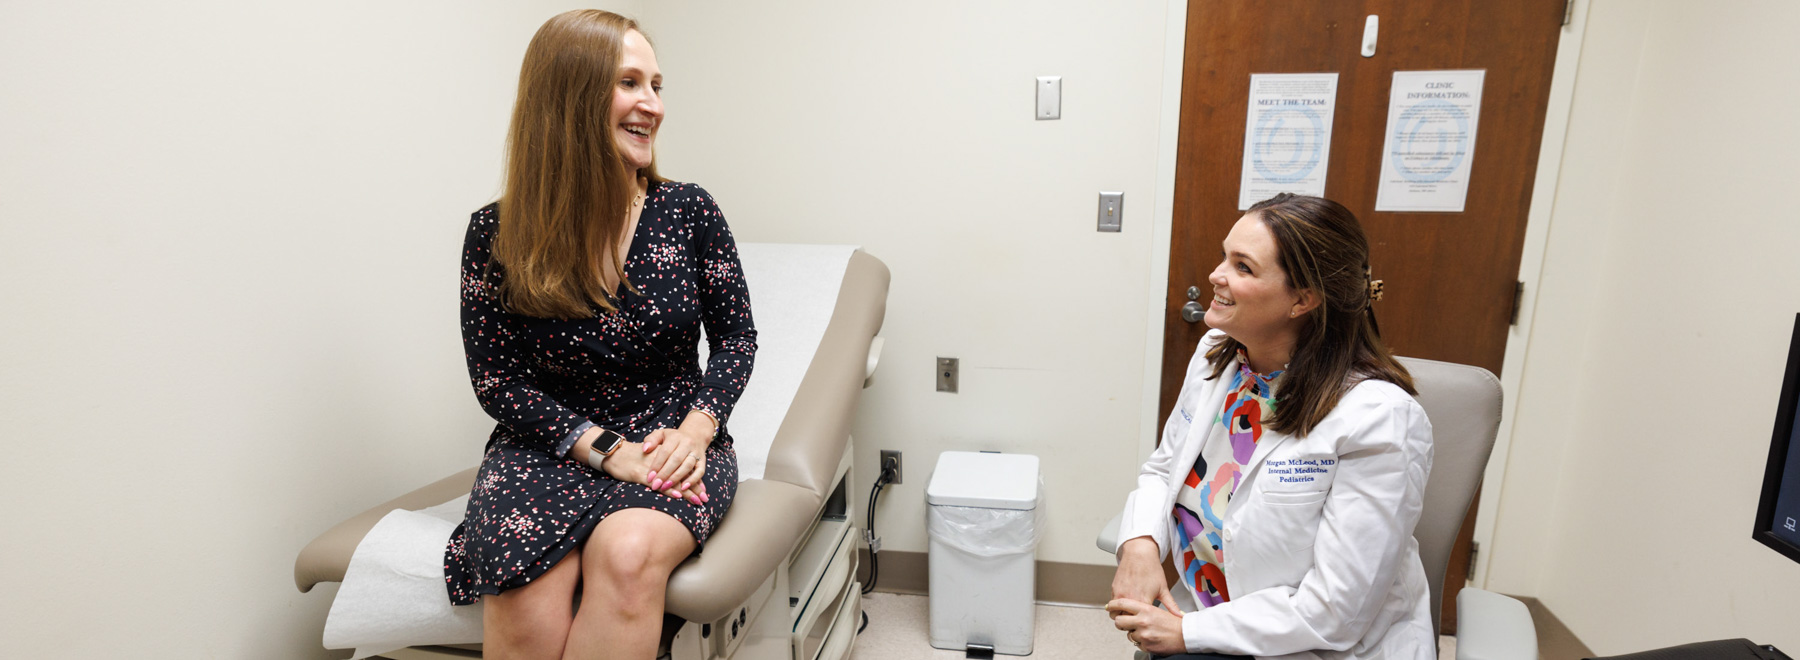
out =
column 1252, row 301
column 637, row 108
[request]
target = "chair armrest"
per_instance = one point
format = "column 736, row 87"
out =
column 766, row 522
column 1108, row 541
column 328, row 555
column 1490, row 626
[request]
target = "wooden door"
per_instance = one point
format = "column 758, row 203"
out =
column 1450, row 277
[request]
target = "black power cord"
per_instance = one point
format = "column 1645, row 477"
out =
column 888, row 469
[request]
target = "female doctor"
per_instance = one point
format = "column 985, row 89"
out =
column 1292, row 469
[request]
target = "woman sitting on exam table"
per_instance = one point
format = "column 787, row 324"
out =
column 584, row 291
column 1292, row 469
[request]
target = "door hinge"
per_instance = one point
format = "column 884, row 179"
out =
column 1568, row 11
column 1518, row 300
column 1474, row 551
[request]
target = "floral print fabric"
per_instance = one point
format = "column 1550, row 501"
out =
column 1204, row 497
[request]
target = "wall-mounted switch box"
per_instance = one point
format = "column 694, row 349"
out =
column 946, row 374
column 1112, row 211
column 1049, row 97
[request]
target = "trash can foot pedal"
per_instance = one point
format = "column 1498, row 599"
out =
column 979, row 651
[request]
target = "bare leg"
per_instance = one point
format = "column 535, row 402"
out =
column 532, row 622
column 625, row 570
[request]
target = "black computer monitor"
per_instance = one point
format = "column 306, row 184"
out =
column 1778, row 514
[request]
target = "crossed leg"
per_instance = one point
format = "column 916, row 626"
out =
column 625, row 567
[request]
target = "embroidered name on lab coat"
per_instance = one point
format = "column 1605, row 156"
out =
column 1301, row 470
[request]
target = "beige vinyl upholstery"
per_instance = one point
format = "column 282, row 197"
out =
column 811, row 441
column 768, row 517
column 328, row 555
column 1463, row 404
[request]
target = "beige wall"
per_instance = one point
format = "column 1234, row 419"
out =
column 1669, row 292
column 230, row 247
column 908, row 129
column 231, row 235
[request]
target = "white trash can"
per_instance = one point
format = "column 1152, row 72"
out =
column 984, row 518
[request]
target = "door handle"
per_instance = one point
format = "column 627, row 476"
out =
column 1193, row 311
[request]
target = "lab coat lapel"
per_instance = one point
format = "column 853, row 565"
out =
column 1206, row 415
column 1209, row 410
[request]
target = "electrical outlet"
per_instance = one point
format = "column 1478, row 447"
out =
column 895, row 455
column 946, row 374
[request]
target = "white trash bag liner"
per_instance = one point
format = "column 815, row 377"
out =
column 985, row 532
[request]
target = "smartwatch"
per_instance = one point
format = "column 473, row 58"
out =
column 603, row 446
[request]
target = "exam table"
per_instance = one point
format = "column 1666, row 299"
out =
column 778, row 578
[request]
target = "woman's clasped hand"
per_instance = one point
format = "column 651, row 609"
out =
column 1140, row 575
column 1149, row 627
column 1138, row 586
column 676, row 459
column 654, row 463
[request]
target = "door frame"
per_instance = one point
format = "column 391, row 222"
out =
column 1531, row 260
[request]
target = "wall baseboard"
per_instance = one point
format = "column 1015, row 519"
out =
column 1088, row 585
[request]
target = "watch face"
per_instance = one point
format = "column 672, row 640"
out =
column 609, row 442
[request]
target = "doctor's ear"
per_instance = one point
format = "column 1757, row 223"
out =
column 1305, row 301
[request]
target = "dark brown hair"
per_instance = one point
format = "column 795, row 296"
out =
column 1322, row 248
column 568, row 191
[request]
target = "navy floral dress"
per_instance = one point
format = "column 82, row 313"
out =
column 633, row 371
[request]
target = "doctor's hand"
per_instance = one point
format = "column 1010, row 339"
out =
column 1140, row 574
column 1148, row 627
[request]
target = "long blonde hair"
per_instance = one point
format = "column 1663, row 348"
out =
column 568, row 189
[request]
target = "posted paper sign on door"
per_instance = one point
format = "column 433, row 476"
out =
column 1287, row 135
column 1432, row 117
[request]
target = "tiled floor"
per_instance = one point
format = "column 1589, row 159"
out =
column 899, row 629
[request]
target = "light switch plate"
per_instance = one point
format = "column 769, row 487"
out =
column 1112, row 211
column 1049, row 97
column 946, row 374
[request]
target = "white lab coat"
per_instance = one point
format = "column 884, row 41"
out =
column 1325, row 568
